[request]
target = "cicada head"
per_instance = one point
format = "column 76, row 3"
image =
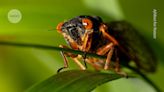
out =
column 79, row 29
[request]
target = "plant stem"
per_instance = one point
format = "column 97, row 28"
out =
column 50, row 48
column 81, row 53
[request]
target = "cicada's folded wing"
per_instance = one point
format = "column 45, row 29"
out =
column 134, row 45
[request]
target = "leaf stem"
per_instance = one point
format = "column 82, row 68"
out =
column 81, row 53
column 50, row 48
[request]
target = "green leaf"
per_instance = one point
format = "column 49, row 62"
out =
column 74, row 81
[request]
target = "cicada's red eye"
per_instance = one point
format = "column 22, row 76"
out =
column 59, row 27
column 87, row 23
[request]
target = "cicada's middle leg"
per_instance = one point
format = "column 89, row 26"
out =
column 72, row 56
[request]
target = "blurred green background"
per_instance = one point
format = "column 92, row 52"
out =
column 22, row 67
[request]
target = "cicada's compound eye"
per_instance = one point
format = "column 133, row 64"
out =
column 87, row 23
column 59, row 27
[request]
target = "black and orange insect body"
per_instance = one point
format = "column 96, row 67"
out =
column 119, row 41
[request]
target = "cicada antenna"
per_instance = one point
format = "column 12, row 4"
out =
column 52, row 29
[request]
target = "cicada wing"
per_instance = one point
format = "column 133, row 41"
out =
column 135, row 46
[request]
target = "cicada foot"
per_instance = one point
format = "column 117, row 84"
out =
column 84, row 58
column 73, row 57
column 59, row 70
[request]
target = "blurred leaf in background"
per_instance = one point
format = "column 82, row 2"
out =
column 22, row 67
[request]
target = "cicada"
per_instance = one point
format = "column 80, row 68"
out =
column 118, row 41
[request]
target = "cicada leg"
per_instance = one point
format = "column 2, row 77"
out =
column 96, row 63
column 73, row 57
column 108, row 60
column 103, row 28
column 117, row 65
column 65, row 62
column 109, row 48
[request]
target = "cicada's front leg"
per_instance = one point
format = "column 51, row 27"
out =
column 72, row 56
